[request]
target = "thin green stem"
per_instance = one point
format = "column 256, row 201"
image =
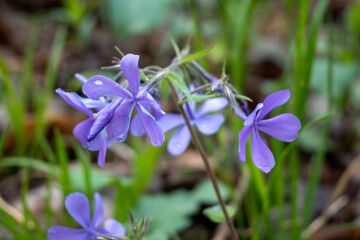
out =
column 206, row 161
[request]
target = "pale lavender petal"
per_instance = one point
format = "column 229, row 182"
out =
column 209, row 124
column 65, row 233
column 78, row 207
column 243, row 136
column 75, row 101
column 146, row 99
column 130, row 69
column 102, row 154
column 91, row 103
column 261, row 154
column 118, row 127
column 170, row 121
column 98, row 216
column 99, row 86
column 136, row 127
column 272, row 101
column 179, row 141
column 101, row 120
column 151, row 126
column 212, row 105
column 81, row 131
column 115, row 228
column 251, row 118
column 80, row 77
column 284, row 127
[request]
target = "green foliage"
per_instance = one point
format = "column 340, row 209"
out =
column 215, row 213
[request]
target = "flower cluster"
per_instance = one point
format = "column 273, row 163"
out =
column 109, row 107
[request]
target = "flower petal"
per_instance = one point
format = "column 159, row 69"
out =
column 98, row 211
column 261, row 154
column 81, row 131
column 65, row 233
column 272, row 101
column 251, row 118
column 118, row 127
column 170, row 121
column 209, row 124
column 80, row 77
column 99, row 86
column 136, row 127
column 151, row 126
column 115, row 228
column 75, row 101
column 243, row 136
column 101, row 120
column 179, row 141
column 284, row 127
column 130, row 69
column 212, row 105
column 102, row 153
column 78, row 207
column 146, row 99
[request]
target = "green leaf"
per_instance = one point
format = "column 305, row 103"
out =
column 25, row 162
column 204, row 192
column 179, row 83
column 201, row 98
column 196, row 55
column 215, row 213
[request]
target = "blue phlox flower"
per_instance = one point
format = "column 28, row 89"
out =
column 284, row 127
column 118, row 127
column 78, row 207
column 206, row 123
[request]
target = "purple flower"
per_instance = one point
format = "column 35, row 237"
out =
column 205, row 123
column 78, row 207
column 91, row 132
column 284, row 127
column 118, row 126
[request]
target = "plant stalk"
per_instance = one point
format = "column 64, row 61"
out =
column 206, row 161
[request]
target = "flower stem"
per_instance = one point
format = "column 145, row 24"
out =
column 206, row 161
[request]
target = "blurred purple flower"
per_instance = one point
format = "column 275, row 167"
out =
column 118, row 126
column 205, row 123
column 284, row 127
column 78, row 207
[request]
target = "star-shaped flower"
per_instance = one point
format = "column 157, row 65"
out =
column 206, row 123
column 284, row 127
column 78, row 207
column 117, row 129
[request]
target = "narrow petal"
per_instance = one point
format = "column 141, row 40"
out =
column 243, row 136
column 146, row 99
column 284, row 127
column 98, row 216
column 118, row 127
column 212, row 105
column 272, row 101
column 75, row 101
column 99, row 86
column 179, row 141
column 80, row 77
column 136, row 127
column 101, row 120
column 65, row 233
column 261, row 154
column 91, row 103
column 78, row 207
column 170, row 121
column 209, row 124
column 102, row 154
column 130, row 69
column 115, row 228
column 81, row 131
column 152, row 128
